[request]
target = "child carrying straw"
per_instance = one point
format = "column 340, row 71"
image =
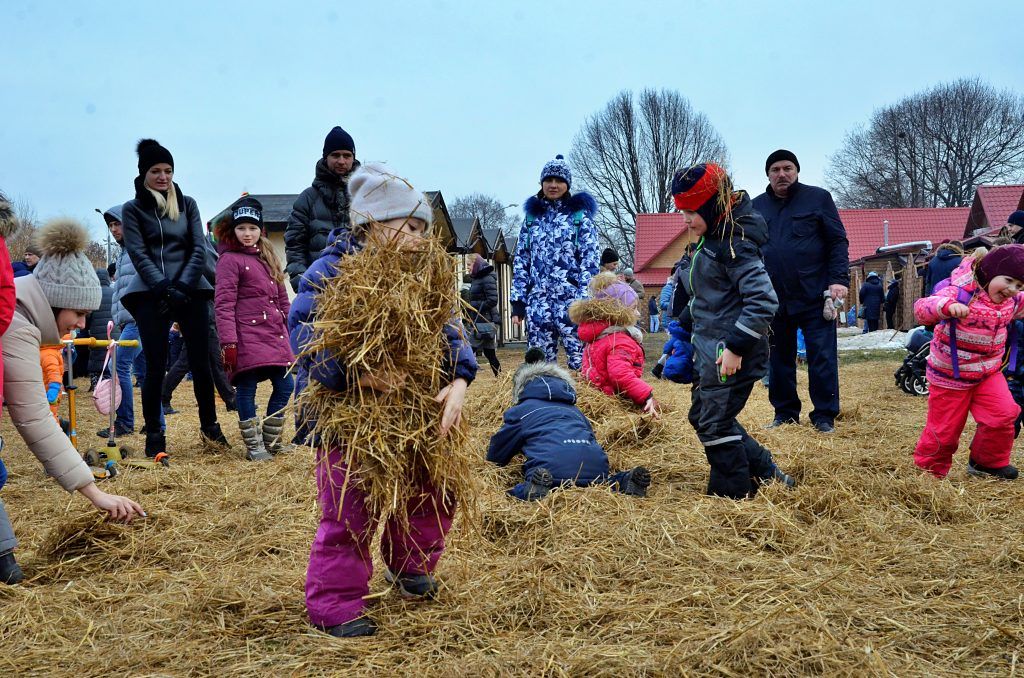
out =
column 972, row 314
column 386, row 398
column 732, row 303
column 252, row 313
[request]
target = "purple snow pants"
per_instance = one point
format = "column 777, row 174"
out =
column 340, row 563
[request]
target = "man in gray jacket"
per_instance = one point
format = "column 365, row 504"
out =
column 322, row 207
column 128, row 359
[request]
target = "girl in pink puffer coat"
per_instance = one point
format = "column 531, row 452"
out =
column 613, row 354
column 252, row 321
column 972, row 315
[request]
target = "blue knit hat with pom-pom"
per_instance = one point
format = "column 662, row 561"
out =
column 557, row 168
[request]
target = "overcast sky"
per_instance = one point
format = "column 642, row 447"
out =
column 457, row 96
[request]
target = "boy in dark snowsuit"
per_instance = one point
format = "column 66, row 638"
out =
column 555, row 437
column 732, row 305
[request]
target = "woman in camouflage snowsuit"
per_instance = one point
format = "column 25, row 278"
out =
column 556, row 255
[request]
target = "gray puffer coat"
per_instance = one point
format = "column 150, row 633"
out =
column 125, row 274
column 316, row 212
column 483, row 296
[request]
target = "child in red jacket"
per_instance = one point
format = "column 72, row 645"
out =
column 613, row 357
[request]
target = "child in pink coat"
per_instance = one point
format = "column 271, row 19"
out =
column 613, row 357
column 972, row 315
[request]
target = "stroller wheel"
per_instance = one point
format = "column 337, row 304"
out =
column 919, row 385
column 906, row 384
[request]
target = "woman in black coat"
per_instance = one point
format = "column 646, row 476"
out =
column 164, row 238
column 871, row 297
column 483, row 297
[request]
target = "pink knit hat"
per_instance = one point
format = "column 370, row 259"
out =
column 1004, row 260
column 619, row 291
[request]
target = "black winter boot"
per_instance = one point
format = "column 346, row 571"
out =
column 156, row 444
column 636, row 483
column 10, row 573
column 413, row 585
column 1008, row 472
column 361, row 626
column 213, row 439
column 539, row 486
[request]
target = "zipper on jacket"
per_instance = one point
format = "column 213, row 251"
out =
column 160, row 221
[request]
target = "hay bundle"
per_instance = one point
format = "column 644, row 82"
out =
column 384, row 314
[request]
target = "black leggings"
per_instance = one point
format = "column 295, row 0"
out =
column 492, row 358
column 194, row 321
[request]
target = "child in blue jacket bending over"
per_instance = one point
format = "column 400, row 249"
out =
column 676, row 362
column 555, row 437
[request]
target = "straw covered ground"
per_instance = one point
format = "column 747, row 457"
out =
column 867, row 568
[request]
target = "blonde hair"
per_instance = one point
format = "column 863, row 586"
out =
column 167, row 207
column 270, row 258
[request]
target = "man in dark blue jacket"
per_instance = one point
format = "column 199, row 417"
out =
column 807, row 259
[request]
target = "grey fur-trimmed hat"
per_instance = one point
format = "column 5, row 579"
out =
column 67, row 277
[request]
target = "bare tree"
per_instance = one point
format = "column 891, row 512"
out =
column 96, row 253
column 932, row 149
column 488, row 209
column 28, row 224
column 627, row 153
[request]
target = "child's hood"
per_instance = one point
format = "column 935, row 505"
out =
column 963, row 275
column 678, row 331
column 608, row 310
column 543, row 381
column 8, row 220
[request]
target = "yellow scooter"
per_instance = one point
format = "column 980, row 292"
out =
column 104, row 461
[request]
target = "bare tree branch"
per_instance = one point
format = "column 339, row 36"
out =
column 932, row 149
column 626, row 155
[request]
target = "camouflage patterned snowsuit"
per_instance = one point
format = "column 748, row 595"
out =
column 556, row 255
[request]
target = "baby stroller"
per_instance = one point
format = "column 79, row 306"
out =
column 910, row 376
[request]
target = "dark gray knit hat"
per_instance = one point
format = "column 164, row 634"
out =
column 65, row 274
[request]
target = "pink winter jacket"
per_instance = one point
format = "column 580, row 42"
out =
column 980, row 337
column 614, row 362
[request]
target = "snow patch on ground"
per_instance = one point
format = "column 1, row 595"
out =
column 851, row 339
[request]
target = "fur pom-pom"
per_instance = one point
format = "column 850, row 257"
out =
column 144, row 144
column 61, row 237
column 8, row 220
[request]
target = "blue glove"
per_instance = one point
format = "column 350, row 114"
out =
column 53, row 392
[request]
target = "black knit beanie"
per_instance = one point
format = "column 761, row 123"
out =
column 152, row 153
column 781, row 154
column 609, row 256
column 338, row 140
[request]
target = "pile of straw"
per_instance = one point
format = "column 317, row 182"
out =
column 384, row 314
column 867, row 568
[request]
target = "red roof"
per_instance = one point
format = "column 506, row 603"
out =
column 653, row 277
column 654, row 233
column 864, row 228
column 993, row 205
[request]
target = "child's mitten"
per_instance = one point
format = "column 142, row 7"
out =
column 53, row 392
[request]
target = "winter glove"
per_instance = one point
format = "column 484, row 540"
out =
column 229, row 359
column 177, row 296
column 53, row 392
column 657, row 371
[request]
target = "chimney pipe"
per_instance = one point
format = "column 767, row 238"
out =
column 885, row 233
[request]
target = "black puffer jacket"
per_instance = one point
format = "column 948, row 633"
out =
column 162, row 249
column 483, row 295
column 316, row 212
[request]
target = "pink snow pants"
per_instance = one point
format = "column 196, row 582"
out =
column 991, row 405
column 340, row 563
